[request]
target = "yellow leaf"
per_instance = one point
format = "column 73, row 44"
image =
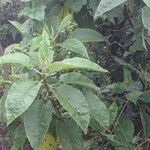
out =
column 49, row 143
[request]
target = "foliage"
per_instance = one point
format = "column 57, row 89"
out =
column 57, row 88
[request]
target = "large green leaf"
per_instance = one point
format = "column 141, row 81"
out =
column 74, row 63
column 74, row 77
column 76, row 46
column 88, row 35
column 147, row 2
column 145, row 118
column 97, row 108
column 125, row 131
column 75, row 5
column 35, row 12
column 80, row 80
column 20, row 96
column 37, row 120
column 107, row 5
column 18, row 58
column 145, row 15
column 69, row 135
column 19, row 138
column 74, row 102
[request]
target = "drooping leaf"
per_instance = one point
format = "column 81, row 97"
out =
column 19, row 138
column 97, row 108
column 74, row 63
column 88, row 35
column 145, row 117
column 107, row 5
column 113, row 109
column 75, row 5
column 79, row 80
column 65, row 22
column 35, row 12
column 18, row 58
column 133, row 96
column 145, row 15
column 20, row 96
column 146, row 96
column 69, row 135
column 37, row 120
column 76, row 46
column 74, row 102
column 147, row 2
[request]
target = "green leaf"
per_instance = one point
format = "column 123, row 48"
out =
column 18, row 58
column 75, row 5
column 97, row 108
column 113, row 109
column 76, row 46
column 37, row 120
column 19, row 138
column 145, row 15
column 79, row 80
column 20, row 96
column 74, row 63
column 145, row 117
column 18, row 25
column 69, row 135
column 88, row 35
column 146, row 96
column 73, row 77
column 133, row 96
column 35, row 43
column 35, row 12
column 65, row 22
column 107, row 5
column 147, row 2
column 74, row 102
column 125, row 131
column 44, row 47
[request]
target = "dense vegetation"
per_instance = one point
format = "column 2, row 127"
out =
column 75, row 74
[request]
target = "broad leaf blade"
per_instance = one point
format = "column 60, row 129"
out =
column 145, row 15
column 35, row 12
column 37, row 120
column 18, row 58
column 88, row 35
column 76, row 46
column 74, row 77
column 74, row 63
column 69, row 135
column 74, row 102
column 97, row 108
column 147, row 2
column 20, row 96
column 19, row 138
column 107, row 5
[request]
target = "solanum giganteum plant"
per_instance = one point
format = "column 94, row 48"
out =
column 46, row 84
